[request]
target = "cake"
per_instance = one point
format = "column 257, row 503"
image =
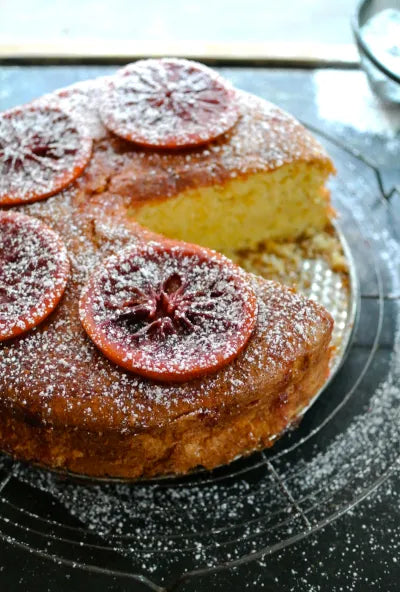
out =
column 161, row 355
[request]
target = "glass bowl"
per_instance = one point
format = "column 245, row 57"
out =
column 379, row 53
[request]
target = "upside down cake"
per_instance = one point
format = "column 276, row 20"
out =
column 128, row 347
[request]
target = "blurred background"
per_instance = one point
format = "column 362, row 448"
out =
column 260, row 29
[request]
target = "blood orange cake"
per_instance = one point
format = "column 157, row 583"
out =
column 125, row 351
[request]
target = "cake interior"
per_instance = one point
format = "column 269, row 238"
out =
column 279, row 204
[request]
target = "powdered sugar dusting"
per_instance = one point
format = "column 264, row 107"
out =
column 80, row 100
column 41, row 151
column 168, row 103
column 33, row 272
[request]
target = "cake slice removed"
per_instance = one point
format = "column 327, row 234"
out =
column 263, row 180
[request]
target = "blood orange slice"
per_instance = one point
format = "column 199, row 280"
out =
column 80, row 101
column 168, row 103
column 170, row 312
column 41, row 152
column 34, row 269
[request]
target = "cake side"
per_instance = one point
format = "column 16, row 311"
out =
column 195, row 440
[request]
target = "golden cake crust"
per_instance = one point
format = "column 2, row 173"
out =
column 63, row 404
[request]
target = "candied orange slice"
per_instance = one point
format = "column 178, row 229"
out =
column 168, row 103
column 169, row 311
column 41, row 152
column 34, row 269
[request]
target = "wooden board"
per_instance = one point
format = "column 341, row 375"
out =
column 287, row 53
